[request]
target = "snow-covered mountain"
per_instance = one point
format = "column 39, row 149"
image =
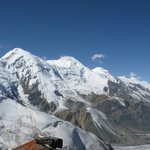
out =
column 140, row 89
column 101, row 125
column 78, row 77
column 33, row 90
column 19, row 124
column 54, row 81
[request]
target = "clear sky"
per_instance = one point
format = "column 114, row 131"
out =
column 118, row 31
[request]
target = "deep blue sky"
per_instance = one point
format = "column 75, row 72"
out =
column 118, row 29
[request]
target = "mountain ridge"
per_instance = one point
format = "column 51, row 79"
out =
column 65, row 86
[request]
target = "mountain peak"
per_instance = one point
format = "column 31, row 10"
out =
column 17, row 53
column 65, row 61
column 104, row 73
column 100, row 70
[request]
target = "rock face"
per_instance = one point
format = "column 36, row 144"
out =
column 134, row 116
column 123, row 108
column 124, row 105
column 102, row 126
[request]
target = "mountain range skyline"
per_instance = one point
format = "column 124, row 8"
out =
column 95, row 57
column 110, row 34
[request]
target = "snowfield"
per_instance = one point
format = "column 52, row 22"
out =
column 142, row 147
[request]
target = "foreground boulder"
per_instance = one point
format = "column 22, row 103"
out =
column 53, row 142
column 46, row 143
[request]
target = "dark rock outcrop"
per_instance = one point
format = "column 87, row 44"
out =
column 51, row 141
column 134, row 116
column 46, row 143
column 108, row 130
